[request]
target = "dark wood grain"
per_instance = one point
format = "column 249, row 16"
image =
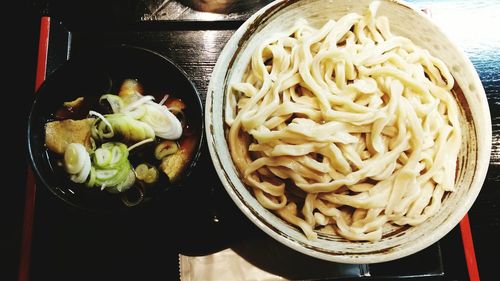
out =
column 222, row 225
column 485, row 213
column 202, row 10
column 194, row 39
column 195, row 51
column 473, row 25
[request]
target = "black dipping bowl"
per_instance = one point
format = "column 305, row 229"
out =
column 95, row 73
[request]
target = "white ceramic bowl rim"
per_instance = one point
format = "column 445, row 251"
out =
column 477, row 117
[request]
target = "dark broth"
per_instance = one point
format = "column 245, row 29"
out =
column 142, row 154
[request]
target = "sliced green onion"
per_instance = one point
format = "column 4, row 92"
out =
column 105, row 174
column 130, row 129
column 138, row 103
column 137, row 113
column 129, row 181
column 147, row 173
column 108, row 145
column 84, row 173
column 141, row 171
column 116, row 155
column 140, row 143
column 92, row 178
column 163, row 100
column 163, row 122
column 152, row 175
column 114, row 101
column 109, row 168
column 103, row 119
column 74, row 158
column 102, row 157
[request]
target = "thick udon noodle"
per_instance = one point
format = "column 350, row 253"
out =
column 345, row 128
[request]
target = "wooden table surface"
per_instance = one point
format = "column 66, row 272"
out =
column 194, row 40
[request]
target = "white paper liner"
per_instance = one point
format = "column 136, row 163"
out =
column 225, row 265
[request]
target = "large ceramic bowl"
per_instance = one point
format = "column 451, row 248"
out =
column 397, row 241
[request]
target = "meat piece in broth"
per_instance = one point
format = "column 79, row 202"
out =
column 173, row 165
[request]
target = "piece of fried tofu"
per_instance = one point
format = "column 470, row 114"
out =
column 59, row 134
column 174, row 164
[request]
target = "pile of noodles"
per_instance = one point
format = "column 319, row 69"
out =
column 345, row 128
